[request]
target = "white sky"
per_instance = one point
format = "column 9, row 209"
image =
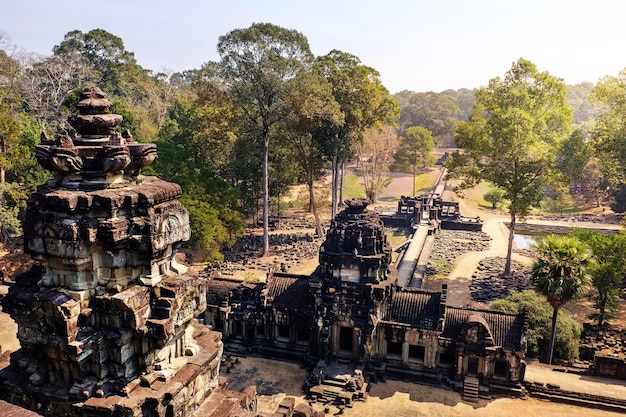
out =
column 416, row 45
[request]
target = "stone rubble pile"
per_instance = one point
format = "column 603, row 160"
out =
column 450, row 244
column 489, row 284
column 288, row 250
column 584, row 217
column 602, row 340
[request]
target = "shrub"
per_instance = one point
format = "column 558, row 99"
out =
column 540, row 325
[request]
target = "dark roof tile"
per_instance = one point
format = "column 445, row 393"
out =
column 419, row 309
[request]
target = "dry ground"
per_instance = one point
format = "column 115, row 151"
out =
column 275, row 380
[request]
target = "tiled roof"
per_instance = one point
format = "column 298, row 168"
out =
column 420, row 309
column 219, row 289
column 506, row 328
column 290, row 292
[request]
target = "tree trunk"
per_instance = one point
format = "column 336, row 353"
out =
column 278, row 210
column 334, row 188
column 414, row 175
column 313, row 205
column 552, row 336
column 342, row 174
column 509, row 251
column 266, row 197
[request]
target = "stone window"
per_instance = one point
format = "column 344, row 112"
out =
column 417, row 353
column 501, row 369
column 283, row 331
column 394, row 349
column 302, row 334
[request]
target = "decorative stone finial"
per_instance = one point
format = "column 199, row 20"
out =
column 97, row 157
column 94, row 122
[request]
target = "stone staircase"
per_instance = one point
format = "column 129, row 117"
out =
column 329, row 385
column 470, row 389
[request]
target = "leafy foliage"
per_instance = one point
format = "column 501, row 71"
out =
column 560, row 273
column 436, row 112
column 257, row 63
column 540, row 318
column 495, row 196
column 513, row 136
column 213, row 208
column 364, row 102
column 607, row 274
column 414, row 151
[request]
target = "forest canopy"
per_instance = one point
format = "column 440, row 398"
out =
column 237, row 133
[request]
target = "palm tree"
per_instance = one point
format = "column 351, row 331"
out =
column 560, row 273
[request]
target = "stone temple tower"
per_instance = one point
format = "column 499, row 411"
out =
column 353, row 284
column 106, row 322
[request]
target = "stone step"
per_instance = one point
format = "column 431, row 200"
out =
column 470, row 389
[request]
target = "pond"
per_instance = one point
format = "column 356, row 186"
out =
column 525, row 241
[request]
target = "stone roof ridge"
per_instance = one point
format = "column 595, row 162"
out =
column 416, row 290
column 290, row 275
column 484, row 310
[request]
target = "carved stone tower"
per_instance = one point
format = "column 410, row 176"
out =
column 110, row 311
column 354, row 282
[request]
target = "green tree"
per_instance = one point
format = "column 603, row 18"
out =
column 609, row 134
column 364, row 102
column 574, row 155
column 495, row 196
column 560, row 273
column 311, row 102
column 540, row 313
column 214, row 213
column 607, row 274
column 416, row 146
column 464, row 99
column 512, row 138
column 257, row 64
column 433, row 111
column 105, row 52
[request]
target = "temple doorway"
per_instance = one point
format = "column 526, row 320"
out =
column 346, row 339
column 472, row 367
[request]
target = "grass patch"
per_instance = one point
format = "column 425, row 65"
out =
column 424, row 182
column 352, row 187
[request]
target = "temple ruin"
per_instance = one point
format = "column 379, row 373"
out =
column 108, row 319
column 355, row 311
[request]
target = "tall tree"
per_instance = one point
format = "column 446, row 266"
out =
column 560, row 274
column 257, row 64
column 513, row 137
column 105, row 52
column 365, row 103
column 609, row 134
column 311, row 102
column 416, row 145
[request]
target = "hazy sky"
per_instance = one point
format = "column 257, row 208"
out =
column 416, row 45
